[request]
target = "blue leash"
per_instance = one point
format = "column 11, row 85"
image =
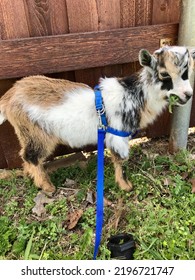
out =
column 99, row 191
column 102, row 130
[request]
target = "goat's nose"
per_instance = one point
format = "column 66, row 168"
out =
column 188, row 95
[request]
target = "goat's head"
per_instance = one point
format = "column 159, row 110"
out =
column 170, row 68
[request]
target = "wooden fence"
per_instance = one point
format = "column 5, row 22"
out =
column 80, row 40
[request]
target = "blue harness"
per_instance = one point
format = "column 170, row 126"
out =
column 103, row 128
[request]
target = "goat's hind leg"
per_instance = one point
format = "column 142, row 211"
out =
column 41, row 178
column 34, row 153
column 120, row 175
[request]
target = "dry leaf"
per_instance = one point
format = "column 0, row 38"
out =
column 40, row 200
column 167, row 182
column 74, row 218
column 90, row 197
column 185, row 175
column 69, row 183
column 192, row 181
column 107, row 202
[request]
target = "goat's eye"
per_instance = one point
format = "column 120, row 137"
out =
column 165, row 75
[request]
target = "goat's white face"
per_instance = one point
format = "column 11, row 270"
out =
column 172, row 68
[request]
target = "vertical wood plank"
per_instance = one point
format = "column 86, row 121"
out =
column 38, row 16
column 108, row 14
column 58, row 17
column 13, row 20
column 82, row 15
column 46, row 17
column 143, row 10
column 127, row 13
column 83, row 18
column 128, row 19
column 166, row 11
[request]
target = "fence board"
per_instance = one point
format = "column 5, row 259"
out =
column 59, row 17
column 82, row 18
column 78, row 51
column 166, row 11
column 46, row 17
column 13, row 20
column 143, row 10
column 108, row 14
column 127, row 13
column 38, row 16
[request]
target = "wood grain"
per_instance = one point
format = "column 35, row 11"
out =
column 82, row 15
column 83, row 18
column 79, row 51
column 58, row 17
column 165, row 11
column 13, row 20
column 46, row 17
column 143, row 12
column 127, row 13
column 108, row 14
column 38, row 16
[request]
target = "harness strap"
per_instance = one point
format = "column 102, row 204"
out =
column 102, row 115
column 117, row 132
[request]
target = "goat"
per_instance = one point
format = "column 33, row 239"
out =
column 46, row 112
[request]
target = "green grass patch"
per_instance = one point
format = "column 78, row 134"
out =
column 159, row 212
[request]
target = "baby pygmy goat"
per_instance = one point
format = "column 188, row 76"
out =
column 46, row 112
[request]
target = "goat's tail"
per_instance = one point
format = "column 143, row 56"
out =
column 2, row 116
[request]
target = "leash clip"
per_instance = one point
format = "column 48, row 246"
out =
column 100, row 113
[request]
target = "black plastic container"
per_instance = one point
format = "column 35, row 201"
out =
column 122, row 246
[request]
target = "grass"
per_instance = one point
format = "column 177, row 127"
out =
column 159, row 212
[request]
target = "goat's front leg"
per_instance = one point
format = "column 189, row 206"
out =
column 120, row 174
column 119, row 147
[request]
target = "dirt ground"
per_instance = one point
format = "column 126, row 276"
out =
column 160, row 145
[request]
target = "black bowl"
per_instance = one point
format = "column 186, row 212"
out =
column 122, row 246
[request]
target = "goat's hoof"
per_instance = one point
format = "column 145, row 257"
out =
column 49, row 191
column 126, row 185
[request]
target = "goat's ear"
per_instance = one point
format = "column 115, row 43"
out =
column 145, row 58
column 192, row 53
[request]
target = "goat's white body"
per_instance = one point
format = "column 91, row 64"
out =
column 74, row 122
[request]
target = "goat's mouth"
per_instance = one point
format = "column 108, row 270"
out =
column 175, row 100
